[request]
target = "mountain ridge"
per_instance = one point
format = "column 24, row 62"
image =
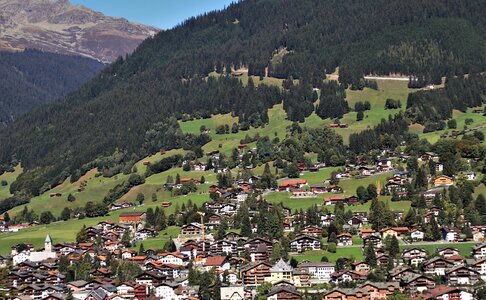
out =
column 60, row 27
column 126, row 106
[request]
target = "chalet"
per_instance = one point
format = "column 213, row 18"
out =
column 380, row 290
column 335, row 189
column 344, row 239
column 446, row 292
column 384, row 165
column 224, row 246
column 415, row 284
column 426, row 156
column 448, row 252
column 213, row 221
column 314, row 231
column 187, row 180
column 348, row 276
column 191, row 229
column 150, row 279
column 366, row 232
column 462, row 275
column 346, row 293
column 287, row 292
column 437, row 266
column 382, row 259
column 351, row 200
column 254, row 243
column 400, row 272
column 373, row 239
column 356, row 222
column 288, row 185
column 366, row 171
column 234, row 292
column 478, row 236
column 479, row 251
column 414, row 256
column 173, row 258
column 319, row 270
column 255, row 273
column 131, row 217
column 450, row 235
column 233, row 236
column 360, row 266
column 145, row 233
column 220, row 263
column 304, row 243
column 443, row 181
column 417, row 235
column 280, row 271
column 479, row 265
column 318, row 188
column 166, row 290
column 394, row 231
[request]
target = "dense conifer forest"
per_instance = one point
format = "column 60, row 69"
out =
column 31, row 78
column 166, row 77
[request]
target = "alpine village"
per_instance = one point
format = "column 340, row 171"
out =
column 270, row 149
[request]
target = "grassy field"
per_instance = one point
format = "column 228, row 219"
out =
column 480, row 190
column 9, row 177
column 460, row 117
column 464, row 248
column 96, row 189
column 66, row 231
column 315, row 256
column 277, row 126
column 377, row 98
column 160, row 240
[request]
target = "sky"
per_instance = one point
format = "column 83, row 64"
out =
column 163, row 14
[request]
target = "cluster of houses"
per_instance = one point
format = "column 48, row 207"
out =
column 242, row 263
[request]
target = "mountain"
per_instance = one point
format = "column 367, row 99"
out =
column 131, row 106
column 60, row 27
column 31, row 78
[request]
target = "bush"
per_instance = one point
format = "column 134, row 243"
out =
column 4, row 182
column 392, row 104
column 452, row 124
column 331, row 247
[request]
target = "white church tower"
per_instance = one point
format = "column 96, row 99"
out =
column 48, row 244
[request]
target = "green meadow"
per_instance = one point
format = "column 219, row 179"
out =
column 9, row 177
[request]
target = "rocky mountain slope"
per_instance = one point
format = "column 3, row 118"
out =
column 60, row 27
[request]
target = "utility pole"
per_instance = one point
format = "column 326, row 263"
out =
column 202, row 226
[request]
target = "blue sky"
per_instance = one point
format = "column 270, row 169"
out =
column 164, row 14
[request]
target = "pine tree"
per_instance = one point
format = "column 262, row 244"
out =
column 66, row 214
column 370, row 256
column 126, row 239
column 394, row 248
column 150, row 217
column 435, row 230
column 82, row 236
column 245, row 225
column 141, row 249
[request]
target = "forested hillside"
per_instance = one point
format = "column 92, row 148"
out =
column 31, row 78
column 166, row 76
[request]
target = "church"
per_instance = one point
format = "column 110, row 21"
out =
column 35, row 256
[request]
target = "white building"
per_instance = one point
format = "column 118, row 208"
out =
column 319, row 271
column 235, row 292
column 167, row 290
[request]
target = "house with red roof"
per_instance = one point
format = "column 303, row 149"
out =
column 290, row 184
column 220, row 263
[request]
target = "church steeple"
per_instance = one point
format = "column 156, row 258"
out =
column 48, row 244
